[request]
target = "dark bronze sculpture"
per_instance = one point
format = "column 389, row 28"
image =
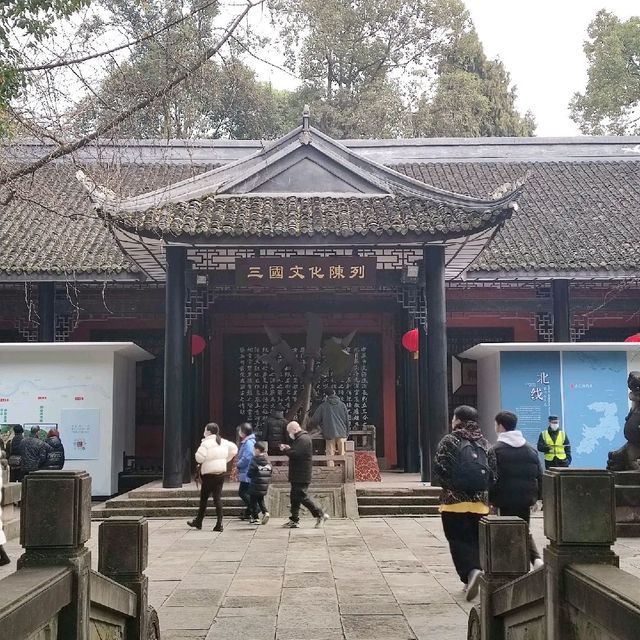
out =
column 319, row 360
column 627, row 458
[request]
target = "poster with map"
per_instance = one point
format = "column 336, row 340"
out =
column 595, row 404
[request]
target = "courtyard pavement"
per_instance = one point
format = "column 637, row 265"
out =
column 372, row 579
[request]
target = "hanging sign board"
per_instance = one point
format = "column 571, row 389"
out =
column 308, row 272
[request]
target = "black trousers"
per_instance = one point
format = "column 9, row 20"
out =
column 462, row 531
column 299, row 497
column 525, row 514
column 257, row 505
column 211, row 486
column 243, row 492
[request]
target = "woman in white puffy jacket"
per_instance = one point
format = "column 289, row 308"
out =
column 212, row 455
column 4, row 558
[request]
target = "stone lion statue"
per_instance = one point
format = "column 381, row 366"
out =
column 627, row 457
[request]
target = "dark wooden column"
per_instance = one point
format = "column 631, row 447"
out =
column 437, row 411
column 411, row 406
column 174, row 367
column 46, row 312
column 561, row 311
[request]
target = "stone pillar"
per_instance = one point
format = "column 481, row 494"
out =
column 122, row 556
column 579, row 521
column 55, row 523
column 436, row 408
column 46, row 312
column 174, row 368
column 504, row 556
column 561, row 311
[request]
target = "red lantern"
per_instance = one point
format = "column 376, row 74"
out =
column 633, row 338
column 411, row 342
column 198, row 345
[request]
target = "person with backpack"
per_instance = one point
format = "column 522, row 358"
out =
column 466, row 468
column 519, row 483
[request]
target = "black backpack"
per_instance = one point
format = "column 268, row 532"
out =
column 471, row 470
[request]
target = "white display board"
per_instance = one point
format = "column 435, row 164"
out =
column 88, row 389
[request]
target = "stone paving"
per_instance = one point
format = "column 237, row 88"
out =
column 372, row 579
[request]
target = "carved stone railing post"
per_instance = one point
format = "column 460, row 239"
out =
column 55, row 523
column 350, row 463
column 579, row 521
column 122, row 556
column 504, row 556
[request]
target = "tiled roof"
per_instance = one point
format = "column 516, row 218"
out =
column 49, row 225
column 299, row 217
column 573, row 216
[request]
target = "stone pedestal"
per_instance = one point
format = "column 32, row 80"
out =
column 54, row 527
column 627, row 503
column 579, row 521
column 122, row 556
column 504, row 556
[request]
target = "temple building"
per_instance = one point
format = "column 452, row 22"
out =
column 191, row 248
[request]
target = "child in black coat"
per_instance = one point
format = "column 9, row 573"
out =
column 259, row 474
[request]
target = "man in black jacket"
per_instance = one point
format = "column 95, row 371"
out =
column 275, row 430
column 34, row 452
column 300, row 454
column 519, row 483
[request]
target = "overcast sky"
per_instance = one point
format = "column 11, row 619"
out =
column 540, row 42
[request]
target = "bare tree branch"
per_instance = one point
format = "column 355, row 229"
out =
column 70, row 147
column 132, row 43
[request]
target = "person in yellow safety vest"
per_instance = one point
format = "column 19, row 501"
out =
column 555, row 445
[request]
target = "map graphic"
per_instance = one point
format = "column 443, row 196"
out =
column 595, row 404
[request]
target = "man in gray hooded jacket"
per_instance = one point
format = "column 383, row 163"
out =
column 333, row 419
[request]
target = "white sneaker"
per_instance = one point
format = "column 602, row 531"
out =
column 473, row 584
column 538, row 563
column 320, row 520
column 265, row 518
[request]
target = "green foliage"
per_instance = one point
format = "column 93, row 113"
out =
column 361, row 61
column 222, row 99
column 611, row 101
column 33, row 21
column 473, row 96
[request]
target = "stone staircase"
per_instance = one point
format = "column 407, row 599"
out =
column 165, row 503
column 393, row 501
column 151, row 501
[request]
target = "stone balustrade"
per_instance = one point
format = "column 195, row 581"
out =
column 54, row 592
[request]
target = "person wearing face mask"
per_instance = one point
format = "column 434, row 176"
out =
column 555, row 445
column 213, row 455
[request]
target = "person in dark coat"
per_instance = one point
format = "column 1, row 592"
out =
column 55, row 457
column 34, row 452
column 332, row 417
column 259, row 474
column 275, row 430
column 461, row 509
column 14, row 453
column 300, row 453
column 554, row 443
column 519, row 483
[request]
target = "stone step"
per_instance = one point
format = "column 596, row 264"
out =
column 150, row 494
column 161, row 512
column 134, row 503
column 400, row 510
column 626, row 478
column 422, row 491
column 410, row 500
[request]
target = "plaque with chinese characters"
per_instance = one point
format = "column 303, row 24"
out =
column 307, row 272
column 251, row 389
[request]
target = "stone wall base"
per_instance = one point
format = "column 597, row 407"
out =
column 339, row 501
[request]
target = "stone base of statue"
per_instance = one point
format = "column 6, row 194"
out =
column 627, row 503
